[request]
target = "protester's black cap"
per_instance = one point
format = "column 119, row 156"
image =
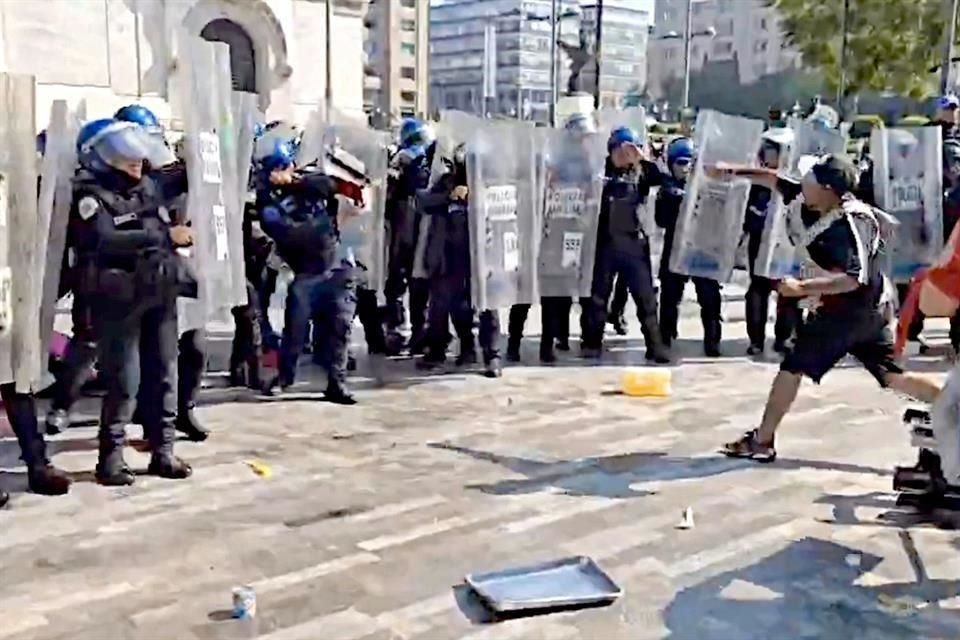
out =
column 837, row 173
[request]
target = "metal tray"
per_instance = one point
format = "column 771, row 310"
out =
column 559, row 583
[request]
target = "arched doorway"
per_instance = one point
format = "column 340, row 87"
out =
column 243, row 63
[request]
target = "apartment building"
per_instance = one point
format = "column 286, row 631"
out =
column 396, row 83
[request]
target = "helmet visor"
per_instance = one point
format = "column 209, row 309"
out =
column 125, row 142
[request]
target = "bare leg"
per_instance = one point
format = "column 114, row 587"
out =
column 919, row 387
column 782, row 394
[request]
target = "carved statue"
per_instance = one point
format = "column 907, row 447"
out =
column 579, row 56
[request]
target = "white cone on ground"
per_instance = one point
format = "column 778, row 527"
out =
column 686, row 519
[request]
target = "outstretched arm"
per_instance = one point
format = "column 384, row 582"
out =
column 761, row 176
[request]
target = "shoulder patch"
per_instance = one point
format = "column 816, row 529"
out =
column 88, row 207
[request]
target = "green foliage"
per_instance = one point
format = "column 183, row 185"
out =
column 891, row 44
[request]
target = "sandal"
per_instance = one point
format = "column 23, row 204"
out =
column 749, row 447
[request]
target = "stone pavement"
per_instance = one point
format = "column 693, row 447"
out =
column 374, row 514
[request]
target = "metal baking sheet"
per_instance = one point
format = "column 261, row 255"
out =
column 558, row 583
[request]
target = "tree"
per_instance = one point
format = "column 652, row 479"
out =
column 891, row 44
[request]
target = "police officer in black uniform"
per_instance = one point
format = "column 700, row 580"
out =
column 299, row 211
column 130, row 269
column 623, row 246
column 447, row 260
column 669, row 199
column 757, row 299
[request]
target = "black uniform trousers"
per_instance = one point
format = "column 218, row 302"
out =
column 371, row 318
column 450, row 302
column 22, row 415
column 138, row 354
column 708, row 296
column 628, row 259
column 554, row 321
column 330, row 299
column 80, row 356
column 247, row 345
column 757, row 301
column 618, row 303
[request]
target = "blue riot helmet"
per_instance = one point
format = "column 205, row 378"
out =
column 680, row 155
column 621, row 136
column 281, row 157
column 142, row 116
column 414, row 132
column 108, row 144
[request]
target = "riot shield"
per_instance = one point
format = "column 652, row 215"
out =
column 609, row 119
column 453, row 128
column 212, row 201
column 245, row 118
column 908, row 184
column 362, row 152
column 711, row 216
column 312, row 140
column 20, row 281
column 811, row 140
column 56, row 173
column 502, row 214
column 572, row 178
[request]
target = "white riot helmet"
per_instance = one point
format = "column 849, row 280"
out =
column 778, row 140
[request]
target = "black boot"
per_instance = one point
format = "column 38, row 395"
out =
column 547, row 355
column 618, row 322
column 169, row 466
column 112, row 471
column 493, row 368
column 337, row 393
column 47, row 480
column 188, row 425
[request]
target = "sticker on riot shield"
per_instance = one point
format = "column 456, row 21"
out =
column 501, row 203
column 566, row 202
column 6, row 300
column 906, row 194
column 210, row 157
column 220, row 222
column 511, row 251
column 572, row 250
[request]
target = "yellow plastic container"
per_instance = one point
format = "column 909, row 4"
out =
column 646, row 382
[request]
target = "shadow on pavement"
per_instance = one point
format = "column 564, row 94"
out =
column 612, row 476
column 807, row 591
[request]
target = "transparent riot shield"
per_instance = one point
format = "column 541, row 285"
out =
column 245, row 118
column 502, row 213
column 572, row 177
column 21, row 280
column 711, row 216
column 209, row 148
column 609, row 119
column 778, row 257
column 56, row 173
column 908, row 184
column 360, row 154
column 453, row 129
column 812, row 140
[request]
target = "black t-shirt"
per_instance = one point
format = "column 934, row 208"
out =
column 841, row 248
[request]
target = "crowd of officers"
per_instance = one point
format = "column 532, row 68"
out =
column 125, row 266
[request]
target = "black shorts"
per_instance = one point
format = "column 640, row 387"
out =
column 828, row 336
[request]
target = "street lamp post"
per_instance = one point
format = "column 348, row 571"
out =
column 687, row 42
column 328, row 91
column 596, row 54
column 554, row 35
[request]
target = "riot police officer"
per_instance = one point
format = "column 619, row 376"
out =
column 680, row 154
column 411, row 173
column 447, row 261
column 133, row 276
column 623, row 245
column 298, row 210
column 773, row 151
column 192, row 344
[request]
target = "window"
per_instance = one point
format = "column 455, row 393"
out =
column 725, row 28
column 408, row 72
column 408, row 47
column 409, row 3
column 408, row 25
column 763, row 24
column 408, row 96
column 760, row 46
column 723, row 48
